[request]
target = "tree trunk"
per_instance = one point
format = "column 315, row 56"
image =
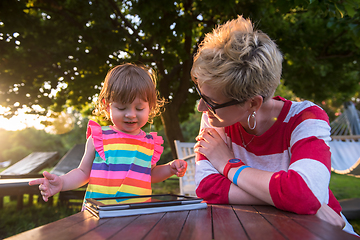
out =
column 172, row 128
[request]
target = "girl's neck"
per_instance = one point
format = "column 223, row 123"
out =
column 118, row 130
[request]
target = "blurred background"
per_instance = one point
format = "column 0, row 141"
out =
column 55, row 54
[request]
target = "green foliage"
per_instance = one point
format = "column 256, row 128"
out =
column 356, row 225
column 322, row 62
column 77, row 135
column 191, row 127
column 56, row 53
column 15, row 145
column 18, row 144
column 15, row 153
column 170, row 186
column 285, row 92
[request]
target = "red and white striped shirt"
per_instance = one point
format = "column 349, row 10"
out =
column 295, row 148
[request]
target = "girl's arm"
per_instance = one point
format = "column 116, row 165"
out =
column 162, row 172
column 52, row 184
column 80, row 176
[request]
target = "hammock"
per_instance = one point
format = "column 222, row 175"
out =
column 345, row 144
column 345, row 156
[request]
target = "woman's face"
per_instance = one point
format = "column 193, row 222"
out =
column 225, row 116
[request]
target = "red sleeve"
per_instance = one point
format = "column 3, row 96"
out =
column 333, row 203
column 286, row 196
column 304, row 187
column 214, row 189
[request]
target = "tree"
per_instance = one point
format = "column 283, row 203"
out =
column 68, row 46
column 19, row 144
column 320, row 55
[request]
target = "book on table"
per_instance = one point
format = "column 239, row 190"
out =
column 145, row 204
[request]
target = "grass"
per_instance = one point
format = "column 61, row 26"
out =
column 13, row 221
column 344, row 187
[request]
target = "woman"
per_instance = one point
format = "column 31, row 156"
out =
column 255, row 149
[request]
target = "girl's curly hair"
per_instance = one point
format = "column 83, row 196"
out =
column 124, row 83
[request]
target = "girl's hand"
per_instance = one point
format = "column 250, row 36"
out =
column 178, row 167
column 213, row 147
column 49, row 185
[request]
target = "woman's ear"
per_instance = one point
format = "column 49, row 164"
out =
column 256, row 103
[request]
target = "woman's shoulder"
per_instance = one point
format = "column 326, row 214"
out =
column 305, row 110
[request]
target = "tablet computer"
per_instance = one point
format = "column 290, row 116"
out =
column 143, row 201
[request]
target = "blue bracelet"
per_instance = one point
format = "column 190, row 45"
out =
column 238, row 172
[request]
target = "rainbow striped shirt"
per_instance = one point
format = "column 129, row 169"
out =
column 122, row 164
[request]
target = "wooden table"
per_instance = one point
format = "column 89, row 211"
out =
column 215, row 222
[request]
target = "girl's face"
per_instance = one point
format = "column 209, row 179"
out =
column 225, row 116
column 130, row 117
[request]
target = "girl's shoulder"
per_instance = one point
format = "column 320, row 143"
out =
column 157, row 139
column 93, row 129
column 158, row 149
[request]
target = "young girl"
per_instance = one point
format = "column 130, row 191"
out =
column 119, row 160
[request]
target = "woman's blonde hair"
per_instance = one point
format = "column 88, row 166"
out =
column 124, row 83
column 238, row 61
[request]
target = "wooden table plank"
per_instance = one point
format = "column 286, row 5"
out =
column 313, row 225
column 321, row 228
column 198, row 225
column 226, row 225
column 108, row 228
column 169, row 227
column 52, row 230
column 138, row 228
column 255, row 225
column 214, row 222
column 288, row 227
column 76, row 230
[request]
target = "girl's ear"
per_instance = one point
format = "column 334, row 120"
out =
column 106, row 104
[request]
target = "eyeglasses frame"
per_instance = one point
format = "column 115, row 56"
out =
column 213, row 108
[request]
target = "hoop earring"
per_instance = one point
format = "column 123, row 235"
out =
column 248, row 120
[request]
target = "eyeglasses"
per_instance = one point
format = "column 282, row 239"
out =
column 212, row 107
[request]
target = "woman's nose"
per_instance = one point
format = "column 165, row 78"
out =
column 201, row 107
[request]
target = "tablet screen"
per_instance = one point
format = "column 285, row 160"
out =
column 138, row 201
